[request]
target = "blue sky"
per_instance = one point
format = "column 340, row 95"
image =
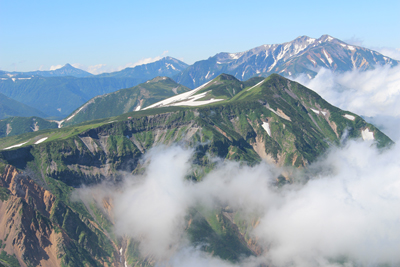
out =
column 112, row 35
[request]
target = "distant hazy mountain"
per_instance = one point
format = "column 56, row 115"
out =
column 166, row 66
column 66, row 70
column 302, row 55
column 126, row 100
column 59, row 96
column 10, row 108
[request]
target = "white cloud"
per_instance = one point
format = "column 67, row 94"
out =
column 94, row 69
column 370, row 93
column 97, row 69
column 143, row 61
column 346, row 211
column 393, row 53
column 354, row 40
column 374, row 93
column 56, row 67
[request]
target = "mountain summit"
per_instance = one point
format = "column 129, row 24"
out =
column 302, row 55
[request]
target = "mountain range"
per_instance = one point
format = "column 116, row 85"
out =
column 272, row 119
column 303, row 55
column 249, row 114
column 57, row 95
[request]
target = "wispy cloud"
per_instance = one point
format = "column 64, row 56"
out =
column 389, row 52
column 354, row 40
column 94, row 69
column 56, row 67
column 343, row 213
column 143, row 61
column 373, row 93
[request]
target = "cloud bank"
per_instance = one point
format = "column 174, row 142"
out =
column 374, row 93
column 347, row 211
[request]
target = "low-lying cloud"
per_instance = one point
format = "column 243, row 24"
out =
column 347, row 211
column 374, row 93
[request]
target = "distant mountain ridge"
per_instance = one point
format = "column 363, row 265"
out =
column 167, row 66
column 66, row 70
column 61, row 95
column 10, row 107
column 302, row 55
column 125, row 100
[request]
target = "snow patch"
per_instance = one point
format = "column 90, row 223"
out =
column 18, row 145
column 367, row 135
column 170, row 65
column 137, row 108
column 256, row 85
column 327, row 57
column 73, row 115
column 234, row 56
column 309, row 76
column 299, row 48
column 313, row 61
column 41, row 140
column 14, row 79
column 324, row 113
column 310, row 40
column 59, row 123
column 351, row 47
column 290, row 73
column 187, row 96
column 265, row 125
column 315, row 111
column 349, row 117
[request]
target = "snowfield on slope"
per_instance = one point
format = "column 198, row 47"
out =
column 185, row 99
column 18, row 145
column 41, row 140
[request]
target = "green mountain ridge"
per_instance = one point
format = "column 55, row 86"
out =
column 10, row 107
column 125, row 100
column 20, row 125
column 272, row 119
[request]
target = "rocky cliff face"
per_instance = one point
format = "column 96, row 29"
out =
column 37, row 229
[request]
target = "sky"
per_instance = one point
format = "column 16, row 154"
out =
column 101, row 36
